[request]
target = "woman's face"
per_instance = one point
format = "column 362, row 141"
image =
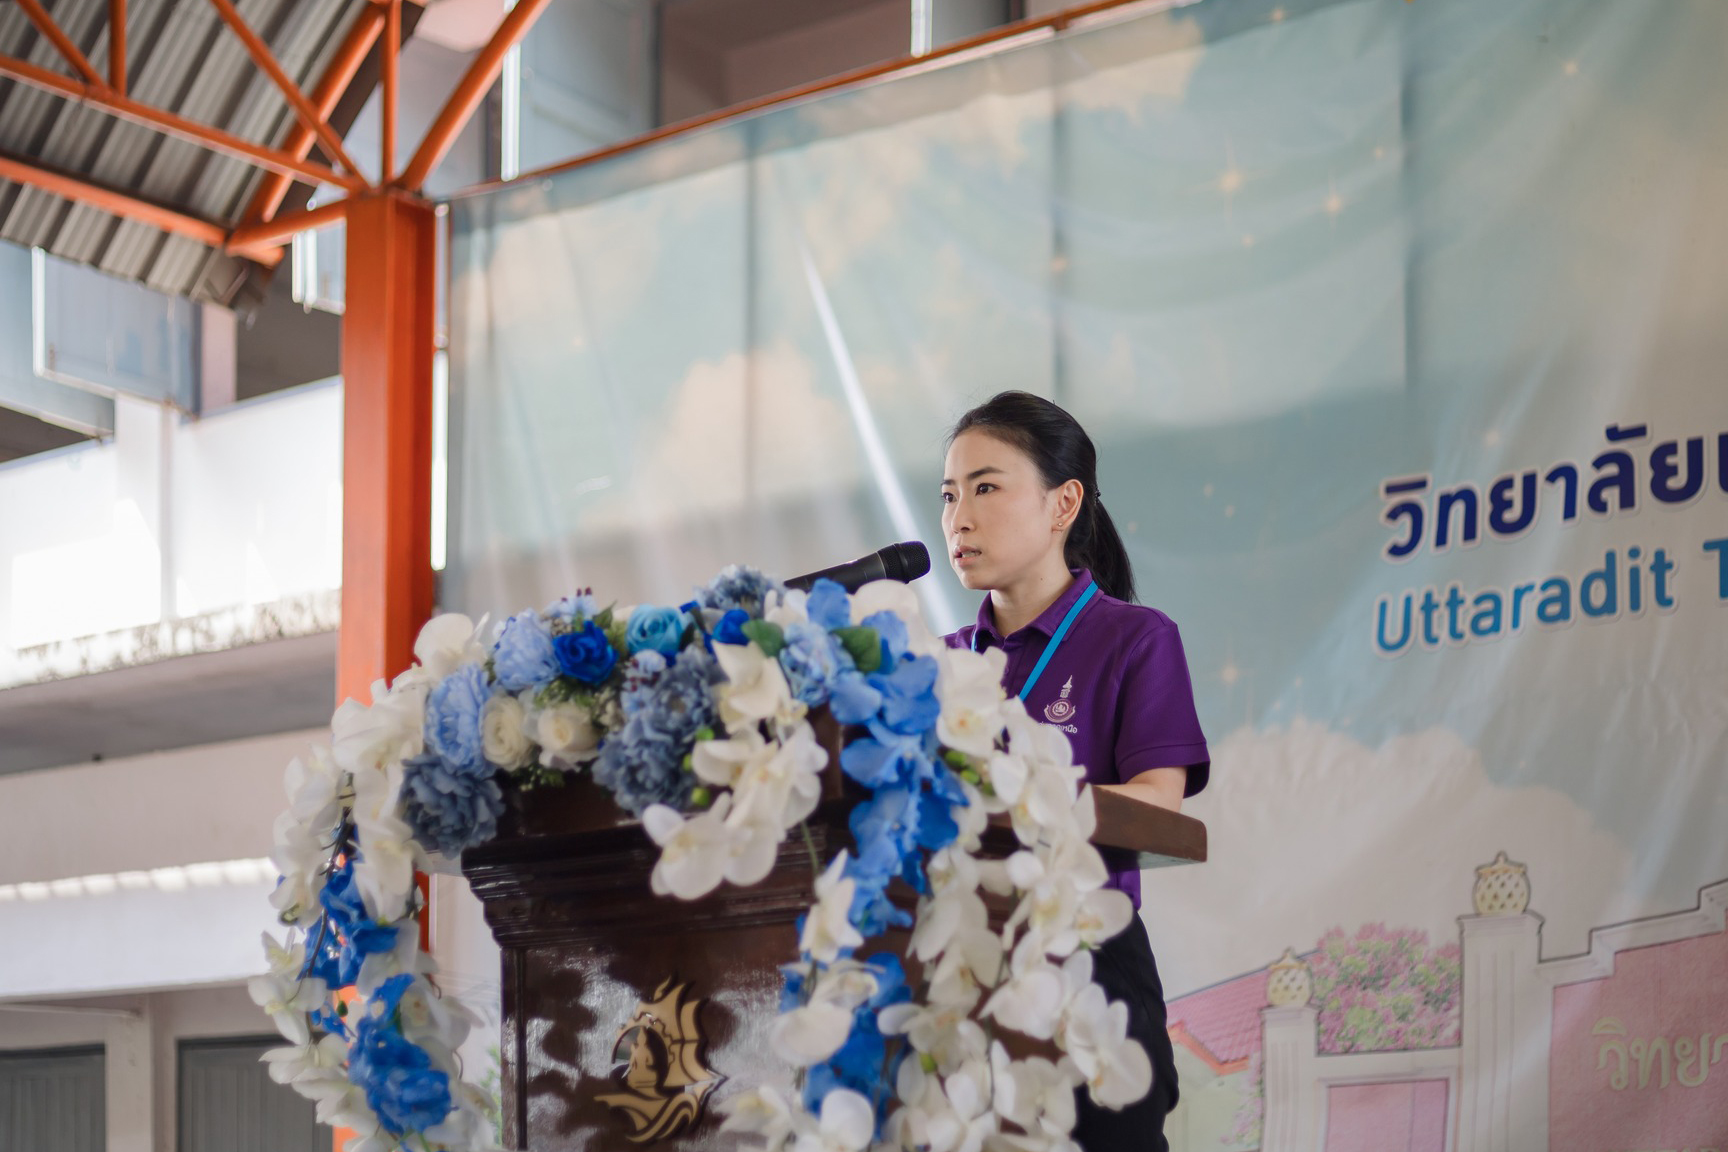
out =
column 997, row 517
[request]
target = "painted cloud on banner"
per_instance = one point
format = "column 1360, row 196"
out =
column 1310, row 829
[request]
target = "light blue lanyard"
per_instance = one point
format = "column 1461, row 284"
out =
column 1055, row 641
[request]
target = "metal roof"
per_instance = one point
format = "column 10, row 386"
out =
column 181, row 58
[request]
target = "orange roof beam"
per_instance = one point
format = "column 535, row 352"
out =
column 124, row 205
column 338, row 75
column 470, row 90
column 179, row 127
column 249, row 239
column 117, row 45
column 392, row 41
column 62, row 43
column 266, row 61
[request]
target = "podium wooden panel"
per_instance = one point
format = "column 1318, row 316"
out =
column 566, row 893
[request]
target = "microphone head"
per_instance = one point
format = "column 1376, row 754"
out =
column 906, row 561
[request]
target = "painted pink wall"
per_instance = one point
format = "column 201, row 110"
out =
column 1403, row 1116
column 1671, row 991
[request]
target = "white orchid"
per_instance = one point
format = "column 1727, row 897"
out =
column 317, row 1066
column 786, row 608
column 384, row 869
column 848, row 1123
column 721, row 762
column 1034, row 1093
column 760, row 1111
column 902, row 600
column 1030, row 1000
column 782, row 786
column 299, row 856
column 694, row 852
column 969, row 685
column 1095, row 1034
column 814, row 1031
column 755, row 688
column 446, row 643
column 828, row 928
column 314, row 787
column 285, row 996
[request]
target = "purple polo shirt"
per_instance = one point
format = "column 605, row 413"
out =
column 1118, row 685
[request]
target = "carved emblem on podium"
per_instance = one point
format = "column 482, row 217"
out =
column 657, row 1065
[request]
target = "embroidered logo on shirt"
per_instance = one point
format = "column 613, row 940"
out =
column 1060, row 710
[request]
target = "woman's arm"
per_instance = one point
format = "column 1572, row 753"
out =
column 1160, row 786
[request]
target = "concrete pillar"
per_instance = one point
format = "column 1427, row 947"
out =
column 130, row 1099
column 1289, row 1040
column 1506, row 1026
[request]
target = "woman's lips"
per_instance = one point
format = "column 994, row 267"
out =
column 964, row 556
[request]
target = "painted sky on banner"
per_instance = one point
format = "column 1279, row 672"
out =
column 1276, row 257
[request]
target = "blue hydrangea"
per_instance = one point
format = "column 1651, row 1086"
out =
column 450, row 806
column 522, row 656
column 813, row 660
column 738, row 587
column 643, row 763
column 453, row 716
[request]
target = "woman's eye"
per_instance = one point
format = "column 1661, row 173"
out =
column 983, row 488
column 947, row 497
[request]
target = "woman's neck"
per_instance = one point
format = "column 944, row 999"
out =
column 1016, row 605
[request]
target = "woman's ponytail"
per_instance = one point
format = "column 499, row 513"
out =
column 1062, row 451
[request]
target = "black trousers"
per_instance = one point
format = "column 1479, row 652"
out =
column 1124, row 968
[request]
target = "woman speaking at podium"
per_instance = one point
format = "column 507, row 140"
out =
column 1023, row 521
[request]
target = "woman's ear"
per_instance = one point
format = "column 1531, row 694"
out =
column 1069, row 494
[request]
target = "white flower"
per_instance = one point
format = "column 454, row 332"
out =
column 384, row 871
column 469, row 1124
column 503, row 733
column 446, row 643
column 306, row 1065
column 566, row 734
column 848, row 1123
column 969, row 686
column 721, row 762
column 314, row 789
column 786, row 608
column 828, row 928
column 751, row 848
column 760, row 1111
column 1034, row 1093
column 1030, row 1001
column 902, row 600
column 432, row 1021
column 1102, row 914
column 783, row 786
column 1095, row 1035
column 693, row 852
column 755, row 688
column 298, row 855
column 946, row 1033
column 811, row 1033
column 286, row 998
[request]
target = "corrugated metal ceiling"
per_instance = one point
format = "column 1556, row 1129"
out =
column 180, row 58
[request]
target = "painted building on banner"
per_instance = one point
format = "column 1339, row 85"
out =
column 1611, row 1050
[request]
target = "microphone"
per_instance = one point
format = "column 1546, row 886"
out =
column 903, row 562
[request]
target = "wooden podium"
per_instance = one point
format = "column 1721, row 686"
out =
column 626, row 1016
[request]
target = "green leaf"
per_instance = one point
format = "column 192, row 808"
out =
column 864, row 645
column 769, row 637
column 603, row 618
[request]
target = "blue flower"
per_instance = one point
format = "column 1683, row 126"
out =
column 879, row 763
column 643, row 763
column 453, row 716
column 730, row 630
column 522, row 656
column 909, row 704
column 449, row 807
column 568, row 608
column 586, row 655
column 892, row 631
column 813, row 660
column 738, row 587
column 852, row 698
column 862, row 1063
column 341, row 899
column 401, row 1085
column 828, row 605
column 654, row 629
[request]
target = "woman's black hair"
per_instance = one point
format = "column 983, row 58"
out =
column 1062, row 451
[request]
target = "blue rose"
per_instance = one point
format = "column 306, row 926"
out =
column 522, row 656
column 730, row 630
column 655, row 630
column 453, row 716
column 586, row 655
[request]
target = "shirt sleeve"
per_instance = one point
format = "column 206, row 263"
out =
column 1158, row 726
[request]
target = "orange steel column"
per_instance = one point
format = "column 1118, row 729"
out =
column 387, row 334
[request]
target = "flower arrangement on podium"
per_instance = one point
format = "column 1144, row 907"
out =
column 697, row 719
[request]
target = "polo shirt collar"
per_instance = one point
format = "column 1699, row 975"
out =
column 1048, row 620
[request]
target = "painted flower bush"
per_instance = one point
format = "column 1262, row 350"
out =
column 697, row 719
column 1384, row 989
